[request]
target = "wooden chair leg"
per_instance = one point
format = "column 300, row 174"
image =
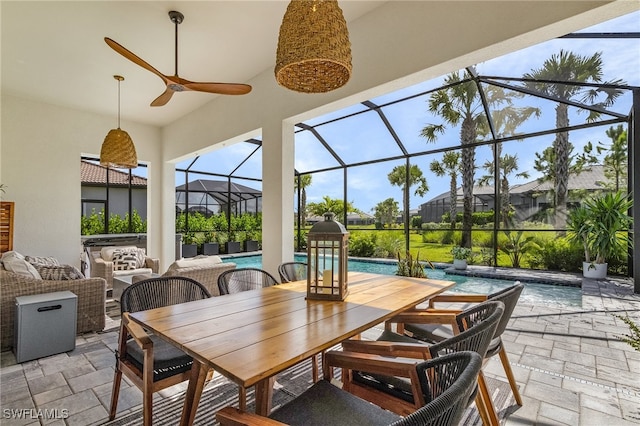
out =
column 483, row 391
column 242, row 398
column 115, row 393
column 315, row 367
column 512, row 380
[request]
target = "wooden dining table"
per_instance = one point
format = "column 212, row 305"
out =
column 250, row 337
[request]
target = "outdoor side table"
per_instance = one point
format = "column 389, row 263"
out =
column 45, row 325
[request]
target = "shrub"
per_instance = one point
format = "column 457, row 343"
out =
column 558, row 255
column 362, row 244
column 416, row 222
column 388, row 244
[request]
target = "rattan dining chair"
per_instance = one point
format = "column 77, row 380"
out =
column 478, row 325
column 432, row 333
column 292, row 271
column 444, row 384
column 150, row 363
column 243, row 279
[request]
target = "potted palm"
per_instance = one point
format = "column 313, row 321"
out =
column 599, row 225
column 460, row 257
column 210, row 246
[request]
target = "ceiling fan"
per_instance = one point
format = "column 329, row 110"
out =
column 175, row 83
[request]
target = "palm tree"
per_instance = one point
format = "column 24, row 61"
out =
column 301, row 183
column 334, row 205
column 562, row 68
column 505, row 123
column 398, row 177
column 508, row 164
column 450, row 165
column 460, row 102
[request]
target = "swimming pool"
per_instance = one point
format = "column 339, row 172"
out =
column 533, row 294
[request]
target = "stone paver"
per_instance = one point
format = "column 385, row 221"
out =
column 570, row 366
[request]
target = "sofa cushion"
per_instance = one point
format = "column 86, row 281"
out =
column 42, row 261
column 62, row 272
column 138, row 271
column 16, row 263
column 107, row 253
column 195, row 262
column 124, row 260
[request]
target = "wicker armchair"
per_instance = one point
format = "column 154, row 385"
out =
column 101, row 264
column 443, row 384
column 432, row 333
column 149, row 362
column 478, row 325
column 292, row 271
column 91, row 294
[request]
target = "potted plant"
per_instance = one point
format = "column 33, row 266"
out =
column 189, row 245
column 251, row 242
column 210, row 245
column 460, row 257
column 598, row 225
column 232, row 245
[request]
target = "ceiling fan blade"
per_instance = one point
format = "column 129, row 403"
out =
column 220, row 88
column 133, row 58
column 162, row 99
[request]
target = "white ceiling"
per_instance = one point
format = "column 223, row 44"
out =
column 55, row 51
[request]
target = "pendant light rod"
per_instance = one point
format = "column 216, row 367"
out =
column 119, row 78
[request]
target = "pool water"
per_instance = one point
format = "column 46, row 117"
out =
column 533, row 293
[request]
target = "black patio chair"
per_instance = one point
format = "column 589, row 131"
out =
column 149, row 362
column 292, row 271
column 432, row 333
column 243, row 279
column 478, row 325
column 443, row 384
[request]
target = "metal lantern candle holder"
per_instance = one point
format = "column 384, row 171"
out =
column 327, row 252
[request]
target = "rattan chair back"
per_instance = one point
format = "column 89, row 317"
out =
column 243, row 279
column 292, row 271
column 448, row 382
column 161, row 291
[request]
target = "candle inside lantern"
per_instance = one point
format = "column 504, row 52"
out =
column 327, row 278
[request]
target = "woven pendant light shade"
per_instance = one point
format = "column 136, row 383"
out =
column 314, row 51
column 118, row 149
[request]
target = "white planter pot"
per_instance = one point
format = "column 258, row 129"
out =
column 460, row 263
column 596, row 271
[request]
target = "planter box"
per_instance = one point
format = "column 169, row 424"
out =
column 189, row 250
column 210, row 248
column 251, row 245
column 232, row 247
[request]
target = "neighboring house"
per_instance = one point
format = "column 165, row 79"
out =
column 528, row 199
column 94, row 197
column 434, row 209
column 210, row 197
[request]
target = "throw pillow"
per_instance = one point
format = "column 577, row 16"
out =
column 42, row 261
column 140, row 258
column 124, row 260
column 62, row 272
column 14, row 262
column 107, row 252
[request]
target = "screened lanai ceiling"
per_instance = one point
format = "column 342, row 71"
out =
column 389, row 129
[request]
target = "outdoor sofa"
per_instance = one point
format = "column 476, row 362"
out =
column 91, row 294
column 204, row 269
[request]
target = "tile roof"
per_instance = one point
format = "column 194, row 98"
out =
column 91, row 173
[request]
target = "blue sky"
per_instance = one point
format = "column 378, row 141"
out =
column 369, row 185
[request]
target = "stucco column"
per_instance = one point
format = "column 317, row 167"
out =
column 277, row 195
column 161, row 202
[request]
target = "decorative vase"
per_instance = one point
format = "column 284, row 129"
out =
column 595, row 271
column 460, row 264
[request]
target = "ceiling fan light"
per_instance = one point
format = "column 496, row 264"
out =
column 118, row 150
column 314, row 51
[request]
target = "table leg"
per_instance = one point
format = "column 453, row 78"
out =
column 264, row 394
column 194, row 392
